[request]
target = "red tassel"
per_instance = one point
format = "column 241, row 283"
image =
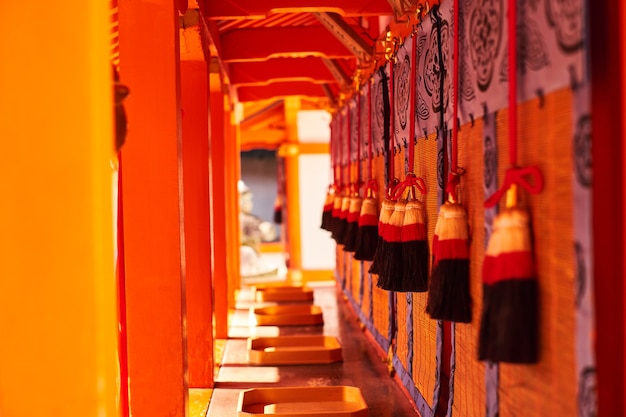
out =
column 449, row 294
column 335, row 224
column 381, row 256
column 509, row 328
column 367, row 236
column 390, row 277
column 342, row 221
column 327, row 212
column 352, row 228
column 415, row 254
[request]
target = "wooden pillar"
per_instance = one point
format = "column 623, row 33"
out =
column 153, row 208
column 292, row 192
column 232, row 176
column 217, row 167
column 608, row 72
column 57, row 282
column 195, row 96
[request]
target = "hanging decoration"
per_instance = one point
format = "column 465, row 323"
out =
column 367, row 235
column 336, row 224
column 356, row 201
column 327, row 211
column 415, row 253
column 449, row 294
column 342, row 203
column 509, row 328
column 392, row 263
column 381, row 111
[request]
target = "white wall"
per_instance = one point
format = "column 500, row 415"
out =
column 318, row 249
column 313, row 126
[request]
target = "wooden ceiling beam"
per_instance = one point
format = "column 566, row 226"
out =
column 294, row 42
column 280, row 89
column 260, row 9
column 280, row 69
column 346, row 34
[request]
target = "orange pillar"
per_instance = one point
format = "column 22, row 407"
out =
column 233, row 175
column 292, row 191
column 219, row 233
column 153, row 208
column 57, row 282
column 195, row 96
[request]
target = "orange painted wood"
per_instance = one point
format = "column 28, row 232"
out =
column 280, row 89
column 280, row 69
column 153, row 230
column 232, row 176
column 261, row 43
column 292, row 189
column 58, row 321
column 253, row 9
column 217, row 185
column 195, row 110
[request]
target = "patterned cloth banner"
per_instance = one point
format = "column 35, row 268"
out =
column 583, row 251
column 365, row 127
column 353, row 108
column 490, row 185
column 401, row 94
column 550, row 36
column 343, row 137
column 380, row 109
column 333, row 141
column 428, row 75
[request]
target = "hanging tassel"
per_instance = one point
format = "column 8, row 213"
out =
column 341, row 222
column 352, row 227
column 509, row 327
column 381, row 256
column 415, row 254
column 390, row 277
column 367, row 235
column 449, row 293
column 327, row 212
column 335, row 221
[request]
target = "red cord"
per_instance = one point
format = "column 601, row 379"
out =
column 348, row 146
column 340, row 154
column 392, row 127
column 455, row 92
column 454, row 174
column 515, row 175
column 369, row 129
column 513, row 82
column 411, row 120
column 358, row 141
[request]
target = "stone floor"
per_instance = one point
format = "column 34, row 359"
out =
column 362, row 364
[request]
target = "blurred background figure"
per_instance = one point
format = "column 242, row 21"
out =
column 254, row 231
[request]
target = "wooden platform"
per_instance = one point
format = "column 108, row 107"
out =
column 362, row 364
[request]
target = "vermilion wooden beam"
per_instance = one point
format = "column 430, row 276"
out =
column 608, row 69
column 281, row 89
column 280, row 69
column 152, row 193
column 217, row 167
column 263, row 43
column 198, row 288
column 258, row 9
